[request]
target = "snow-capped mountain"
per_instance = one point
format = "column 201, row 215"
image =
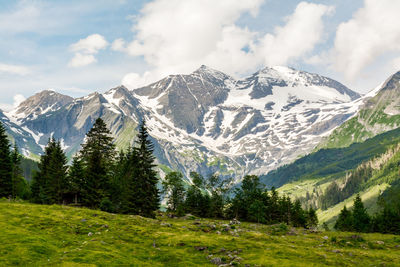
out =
column 206, row 121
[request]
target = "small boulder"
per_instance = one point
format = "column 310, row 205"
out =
column 380, row 242
column 90, row 234
column 216, row 261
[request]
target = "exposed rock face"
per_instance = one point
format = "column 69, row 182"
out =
column 380, row 112
column 206, row 121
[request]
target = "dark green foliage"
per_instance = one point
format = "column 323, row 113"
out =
column 356, row 220
column 332, row 161
column 50, row 182
column 174, row 188
column 5, row 165
column 388, row 220
column 361, row 219
column 252, row 202
column 146, row 177
column 135, row 183
column 75, row 180
column 20, row 187
column 344, row 221
column 97, row 155
column 311, row 218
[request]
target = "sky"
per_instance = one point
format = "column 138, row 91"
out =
column 76, row 47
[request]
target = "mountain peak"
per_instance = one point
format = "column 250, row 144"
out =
column 392, row 83
column 42, row 102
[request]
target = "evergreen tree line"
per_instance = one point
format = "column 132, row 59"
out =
column 12, row 182
column 358, row 220
column 250, row 202
column 126, row 182
column 99, row 177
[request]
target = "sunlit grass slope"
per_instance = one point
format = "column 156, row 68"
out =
column 34, row 235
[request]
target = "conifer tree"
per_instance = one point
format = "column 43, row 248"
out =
column 5, row 164
column 344, row 221
column 75, row 179
column 311, row 218
column 361, row 219
column 16, row 171
column 98, row 156
column 146, row 177
column 49, row 183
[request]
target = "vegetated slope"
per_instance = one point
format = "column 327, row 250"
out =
column 205, row 121
column 380, row 113
column 373, row 179
column 333, row 162
column 61, row 235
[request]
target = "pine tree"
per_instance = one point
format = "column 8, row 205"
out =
column 5, row 164
column 98, row 157
column 174, row 188
column 146, row 177
column 361, row 219
column 49, row 183
column 311, row 218
column 75, row 179
column 344, row 221
column 16, row 172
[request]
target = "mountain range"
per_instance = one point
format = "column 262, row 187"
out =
column 208, row 121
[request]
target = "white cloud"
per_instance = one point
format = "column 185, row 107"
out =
column 80, row 60
column 171, row 41
column 303, row 30
column 18, row 99
column 118, row 45
column 14, row 69
column 85, row 49
column 373, row 32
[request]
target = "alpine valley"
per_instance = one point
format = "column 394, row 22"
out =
column 206, row 121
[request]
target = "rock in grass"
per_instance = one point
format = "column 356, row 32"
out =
column 380, row 242
column 200, row 248
column 90, row 234
column 216, row 261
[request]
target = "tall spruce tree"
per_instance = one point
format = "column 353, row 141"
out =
column 5, row 164
column 146, row 177
column 344, row 221
column 361, row 219
column 75, row 180
column 98, row 157
column 16, row 172
column 49, row 183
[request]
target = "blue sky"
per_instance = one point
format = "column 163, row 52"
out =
column 77, row 47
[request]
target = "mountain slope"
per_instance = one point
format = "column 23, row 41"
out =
column 205, row 121
column 380, row 113
column 332, row 162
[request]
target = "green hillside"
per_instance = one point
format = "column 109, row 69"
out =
column 38, row 235
column 379, row 176
column 333, row 162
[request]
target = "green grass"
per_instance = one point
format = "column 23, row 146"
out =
column 35, row 235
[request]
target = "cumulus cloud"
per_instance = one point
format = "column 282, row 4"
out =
column 372, row 32
column 14, row 69
column 85, row 49
column 171, row 41
column 302, row 31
